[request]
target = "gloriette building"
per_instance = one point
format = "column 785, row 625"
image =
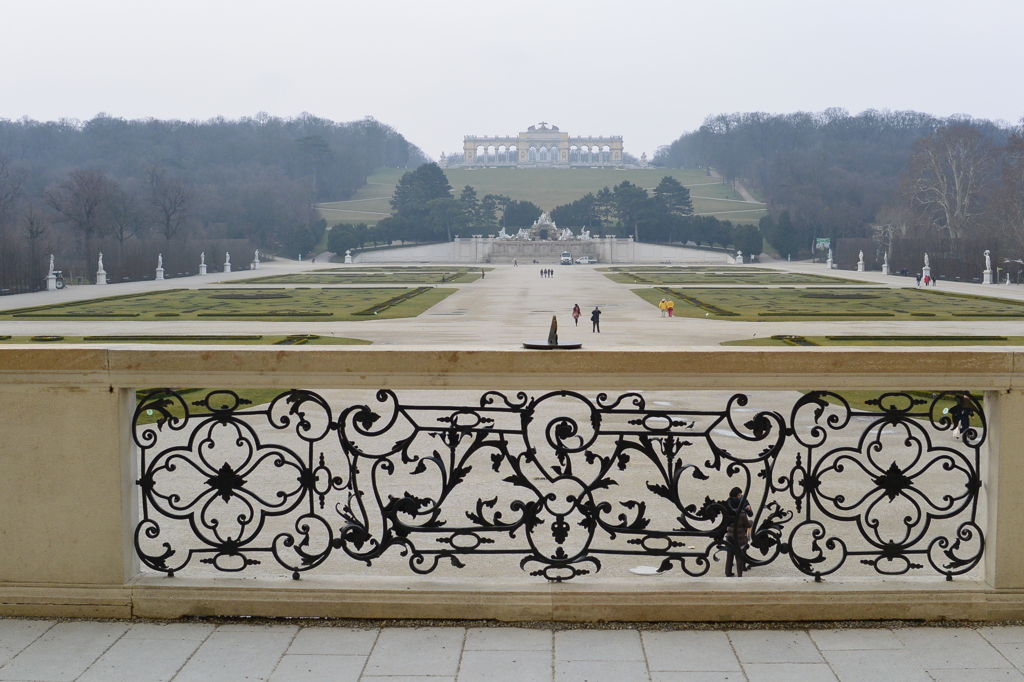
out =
column 543, row 146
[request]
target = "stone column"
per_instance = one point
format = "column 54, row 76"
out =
column 1002, row 476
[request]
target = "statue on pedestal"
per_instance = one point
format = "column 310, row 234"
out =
column 160, row 266
column 202, row 263
column 860, row 262
column 101, row 274
column 227, row 261
column 51, row 265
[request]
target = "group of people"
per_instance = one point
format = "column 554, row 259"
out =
column 927, row 279
column 667, row 306
column 547, row 272
column 595, row 318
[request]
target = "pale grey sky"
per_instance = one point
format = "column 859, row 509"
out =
column 647, row 70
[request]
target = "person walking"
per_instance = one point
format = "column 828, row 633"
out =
column 595, row 318
column 664, row 307
column 515, row 262
column 919, row 280
column 737, row 534
column 576, row 312
column 671, row 307
column 961, row 413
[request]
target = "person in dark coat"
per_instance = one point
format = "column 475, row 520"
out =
column 595, row 318
column 737, row 534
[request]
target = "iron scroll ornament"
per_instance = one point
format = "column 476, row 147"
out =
column 559, row 481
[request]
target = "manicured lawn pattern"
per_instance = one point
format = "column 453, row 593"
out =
column 867, row 303
column 287, row 305
column 371, row 276
column 717, row 276
column 197, row 339
column 790, row 340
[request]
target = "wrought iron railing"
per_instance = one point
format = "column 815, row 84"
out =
column 561, row 481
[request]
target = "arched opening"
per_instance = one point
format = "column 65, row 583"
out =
column 543, row 155
column 513, row 154
column 481, row 154
column 532, row 154
column 492, row 154
column 606, row 154
column 574, row 154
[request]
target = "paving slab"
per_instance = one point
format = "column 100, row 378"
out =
column 238, row 652
column 676, row 676
column 506, row 666
column 598, row 645
column 689, row 651
column 318, row 668
column 64, row 652
column 18, row 634
column 938, row 648
column 336, row 641
column 601, row 671
column 412, row 651
column 976, row 675
column 1003, row 634
column 175, row 631
column 840, row 640
column 141, row 660
column 789, row 672
column 876, row 666
column 774, row 646
column 509, row 639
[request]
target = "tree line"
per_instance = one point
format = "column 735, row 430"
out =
column 68, row 186
column 424, row 209
column 880, row 174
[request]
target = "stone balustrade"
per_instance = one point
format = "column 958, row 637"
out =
column 70, row 478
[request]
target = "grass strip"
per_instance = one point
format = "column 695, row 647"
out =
column 391, row 302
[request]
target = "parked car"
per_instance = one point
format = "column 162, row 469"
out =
column 585, row 260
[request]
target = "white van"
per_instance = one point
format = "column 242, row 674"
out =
column 566, row 258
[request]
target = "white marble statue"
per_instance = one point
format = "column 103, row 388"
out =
column 565, row 235
column 885, row 259
column 202, row 258
column 988, row 260
column 51, row 265
column 523, row 234
column 227, row 258
column 101, row 274
column 860, row 258
column 830, row 255
column 927, row 264
column 502, row 234
column 160, row 261
column 584, row 235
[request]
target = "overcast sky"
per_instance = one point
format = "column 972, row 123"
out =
column 647, row 70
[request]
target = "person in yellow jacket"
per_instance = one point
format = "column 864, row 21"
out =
column 664, row 307
column 671, row 306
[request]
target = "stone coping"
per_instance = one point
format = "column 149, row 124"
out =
column 141, row 365
column 716, row 599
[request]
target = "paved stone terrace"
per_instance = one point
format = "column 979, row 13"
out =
column 115, row 651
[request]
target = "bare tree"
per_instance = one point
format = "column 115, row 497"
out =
column 1008, row 203
column 10, row 190
column 34, row 227
column 170, row 200
column 948, row 172
column 83, row 200
column 126, row 218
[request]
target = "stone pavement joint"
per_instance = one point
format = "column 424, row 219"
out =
column 298, row 651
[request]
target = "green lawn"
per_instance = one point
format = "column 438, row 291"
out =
column 714, row 276
column 545, row 187
column 371, row 276
column 284, row 305
column 781, row 341
column 866, row 303
column 197, row 339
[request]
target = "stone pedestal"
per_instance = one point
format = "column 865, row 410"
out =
column 926, row 272
column 860, row 267
column 885, row 268
column 202, row 268
column 101, row 277
column 348, row 257
column 51, row 282
column 227, row 267
column 987, row 275
column 159, row 273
